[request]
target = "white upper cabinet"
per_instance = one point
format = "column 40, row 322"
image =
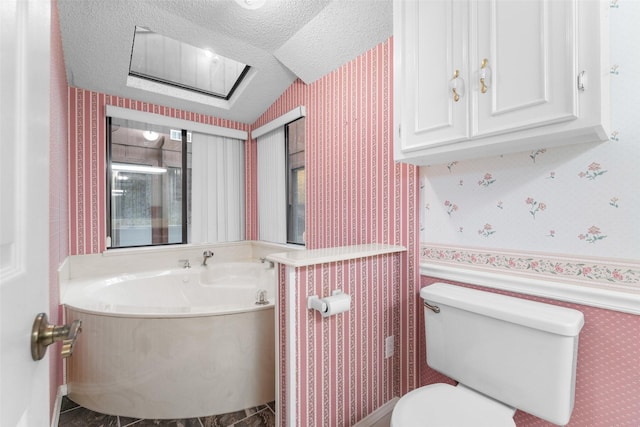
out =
column 427, row 53
column 529, row 54
column 485, row 77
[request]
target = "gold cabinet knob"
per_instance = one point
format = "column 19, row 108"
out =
column 456, row 85
column 485, row 75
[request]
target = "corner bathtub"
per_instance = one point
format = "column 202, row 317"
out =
column 176, row 343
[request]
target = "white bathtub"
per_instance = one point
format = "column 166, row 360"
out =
column 175, row 343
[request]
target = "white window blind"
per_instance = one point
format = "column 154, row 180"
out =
column 272, row 197
column 217, row 210
column 160, row 120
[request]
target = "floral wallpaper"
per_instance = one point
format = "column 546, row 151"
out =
column 580, row 201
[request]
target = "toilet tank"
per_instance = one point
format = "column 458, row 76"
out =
column 520, row 352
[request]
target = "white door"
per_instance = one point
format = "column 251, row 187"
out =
column 24, row 207
column 431, row 61
column 530, row 47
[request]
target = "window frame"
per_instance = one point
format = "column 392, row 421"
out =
column 288, row 179
column 108, row 196
column 167, row 121
column 256, row 134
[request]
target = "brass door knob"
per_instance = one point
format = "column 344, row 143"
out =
column 44, row 334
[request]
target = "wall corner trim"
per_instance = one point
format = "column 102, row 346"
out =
column 623, row 301
column 55, row 417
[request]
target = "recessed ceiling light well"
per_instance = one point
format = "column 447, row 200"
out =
column 173, row 63
column 251, row 4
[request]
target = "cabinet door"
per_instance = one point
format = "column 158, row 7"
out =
column 430, row 41
column 530, row 46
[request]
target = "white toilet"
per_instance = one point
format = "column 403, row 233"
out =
column 506, row 354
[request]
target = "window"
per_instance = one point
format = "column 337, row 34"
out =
column 296, row 195
column 165, row 60
column 282, row 178
column 148, row 175
column 165, row 188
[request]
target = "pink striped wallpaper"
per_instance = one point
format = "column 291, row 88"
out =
column 343, row 374
column 352, row 179
column 87, row 135
column 355, row 194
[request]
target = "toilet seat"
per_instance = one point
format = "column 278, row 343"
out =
column 444, row 405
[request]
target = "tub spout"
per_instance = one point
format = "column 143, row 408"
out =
column 261, row 297
column 264, row 259
column 206, row 255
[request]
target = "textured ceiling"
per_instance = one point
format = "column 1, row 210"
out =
column 282, row 41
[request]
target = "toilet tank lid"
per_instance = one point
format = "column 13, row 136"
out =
column 533, row 314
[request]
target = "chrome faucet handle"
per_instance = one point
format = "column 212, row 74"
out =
column 185, row 263
column 70, row 341
column 206, row 255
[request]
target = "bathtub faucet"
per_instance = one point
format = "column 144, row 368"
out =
column 206, row 255
column 264, row 259
column 185, row 263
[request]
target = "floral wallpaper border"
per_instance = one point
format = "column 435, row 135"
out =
column 626, row 275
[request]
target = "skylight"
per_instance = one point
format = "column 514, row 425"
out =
column 164, row 60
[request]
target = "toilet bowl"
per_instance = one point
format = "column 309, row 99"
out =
column 505, row 353
column 444, row 405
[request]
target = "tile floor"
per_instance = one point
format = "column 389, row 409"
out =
column 74, row 415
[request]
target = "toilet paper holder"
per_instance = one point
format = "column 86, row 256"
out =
column 338, row 302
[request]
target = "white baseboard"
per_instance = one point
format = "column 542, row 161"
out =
column 379, row 417
column 55, row 418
